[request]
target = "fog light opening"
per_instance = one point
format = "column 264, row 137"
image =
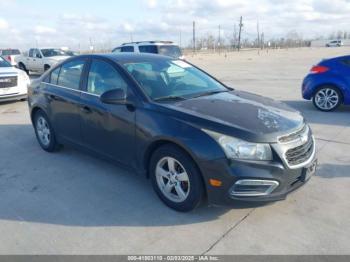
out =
column 249, row 187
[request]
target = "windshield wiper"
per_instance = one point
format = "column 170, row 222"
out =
column 170, row 98
column 211, row 93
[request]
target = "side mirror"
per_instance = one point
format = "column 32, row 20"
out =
column 38, row 55
column 114, row 96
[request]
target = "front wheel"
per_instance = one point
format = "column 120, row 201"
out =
column 44, row 132
column 176, row 179
column 327, row 98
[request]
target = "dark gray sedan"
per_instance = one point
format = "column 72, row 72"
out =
column 193, row 136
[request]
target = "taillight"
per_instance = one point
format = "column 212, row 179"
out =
column 9, row 58
column 319, row 69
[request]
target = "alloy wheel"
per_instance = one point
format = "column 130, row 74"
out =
column 327, row 99
column 172, row 179
column 43, row 130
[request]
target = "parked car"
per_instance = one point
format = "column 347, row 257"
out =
column 10, row 55
column 193, row 136
column 328, row 83
column 166, row 48
column 13, row 82
column 335, row 43
column 39, row 60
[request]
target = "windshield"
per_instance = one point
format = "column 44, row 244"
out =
column 170, row 50
column 172, row 79
column 54, row 52
column 4, row 63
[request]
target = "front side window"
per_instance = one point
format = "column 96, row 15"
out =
column 117, row 50
column 104, row 77
column 70, row 74
column 172, row 79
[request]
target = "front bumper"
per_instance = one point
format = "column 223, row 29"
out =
column 229, row 172
column 12, row 97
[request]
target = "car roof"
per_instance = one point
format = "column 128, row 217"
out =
column 130, row 57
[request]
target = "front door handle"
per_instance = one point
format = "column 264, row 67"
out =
column 86, row 110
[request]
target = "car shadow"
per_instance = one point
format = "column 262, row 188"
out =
column 330, row 171
column 74, row 188
column 340, row 117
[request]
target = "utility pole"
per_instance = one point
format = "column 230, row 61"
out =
column 180, row 38
column 258, row 31
column 194, row 36
column 219, row 40
column 240, row 33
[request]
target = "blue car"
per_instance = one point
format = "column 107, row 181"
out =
column 328, row 84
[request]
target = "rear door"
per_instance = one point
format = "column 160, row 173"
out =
column 64, row 96
column 107, row 129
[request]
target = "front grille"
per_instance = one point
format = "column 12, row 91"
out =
column 294, row 136
column 300, row 154
column 8, row 81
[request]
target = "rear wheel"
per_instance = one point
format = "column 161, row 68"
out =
column 44, row 132
column 176, row 179
column 327, row 98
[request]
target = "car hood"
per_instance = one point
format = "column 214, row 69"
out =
column 8, row 71
column 241, row 114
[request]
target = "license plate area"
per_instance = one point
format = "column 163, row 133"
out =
column 309, row 171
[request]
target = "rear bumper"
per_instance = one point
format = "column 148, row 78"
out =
column 229, row 172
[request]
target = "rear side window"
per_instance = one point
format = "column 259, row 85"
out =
column 127, row 49
column 70, row 74
column 104, row 77
column 31, row 52
column 152, row 49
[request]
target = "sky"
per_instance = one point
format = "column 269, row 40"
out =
column 79, row 24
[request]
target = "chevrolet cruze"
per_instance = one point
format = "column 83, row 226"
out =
column 194, row 137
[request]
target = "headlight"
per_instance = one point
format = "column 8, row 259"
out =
column 23, row 77
column 235, row 148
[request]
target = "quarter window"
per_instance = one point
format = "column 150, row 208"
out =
column 104, row 77
column 70, row 74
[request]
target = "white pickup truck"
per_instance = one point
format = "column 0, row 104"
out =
column 41, row 59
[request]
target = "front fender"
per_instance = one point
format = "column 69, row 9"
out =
column 154, row 127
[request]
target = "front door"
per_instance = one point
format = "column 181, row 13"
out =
column 107, row 129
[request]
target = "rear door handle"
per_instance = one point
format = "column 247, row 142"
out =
column 86, row 110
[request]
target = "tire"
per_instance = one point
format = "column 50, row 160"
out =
column 184, row 175
column 21, row 66
column 44, row 132
column 331, row 94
